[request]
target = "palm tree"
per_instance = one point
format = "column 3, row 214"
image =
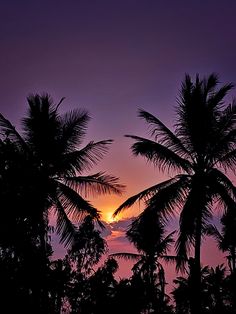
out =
column 226, row 242
column 51, row 144
column 52, row 180
column 226, row 239
column 215, row 291
column 148, row 235
column 201, row 147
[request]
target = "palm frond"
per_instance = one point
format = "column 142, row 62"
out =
column 75, row 206
column 224, row 139
column 220, row 151
column 85, row 158
column 222, row 190
column 187, row 227
column 216, row 98
column 228, row 160
column 210, row 83
column 165, row 244
column 218, row 176
column 59, row 103
column 74, row 126
column 42, row 127
column 164, row 134
column 167, row 200
column 161, row 156
column 96, row 184
column 227, row 118
column 64, row 227
column 127, row 256
column 212, row 231
column 11, row 132
column 145, row 194
column 183, row 121
column 173, row 259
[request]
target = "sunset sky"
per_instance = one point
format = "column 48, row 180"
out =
column 112, row 57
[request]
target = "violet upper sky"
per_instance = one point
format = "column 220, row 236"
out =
column 113, row 57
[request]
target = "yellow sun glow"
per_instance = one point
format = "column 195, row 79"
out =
column 109, row 217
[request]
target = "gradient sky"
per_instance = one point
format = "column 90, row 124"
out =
column 113, row 57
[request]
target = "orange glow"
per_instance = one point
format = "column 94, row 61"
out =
column 106, row 205
column 108, row 217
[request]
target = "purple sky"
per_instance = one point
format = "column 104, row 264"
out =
column 113, row 57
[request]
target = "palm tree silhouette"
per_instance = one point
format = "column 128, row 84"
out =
column 148, row 235
column 54, row 162
column 201, row 147
column 51, row 143
column 226, row 239
column 226, row 242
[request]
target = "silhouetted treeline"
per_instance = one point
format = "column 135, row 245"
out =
column 43, row 174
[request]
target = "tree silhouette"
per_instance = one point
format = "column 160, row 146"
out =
column 87, row 248
column 49, row 157
column 100, row 290
column 215, row 292
column 84, row 254
column 59, row 281
column 226, row 240
column 203, row 142
column 148, row 235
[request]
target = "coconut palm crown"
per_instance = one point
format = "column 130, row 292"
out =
column 51, row 144
column 204, row 142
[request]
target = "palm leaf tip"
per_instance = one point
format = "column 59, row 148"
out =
column 160, row 155
column 100, row 224
column 108, row 184
column 99, row 148
column 127, row 256
column 74, row 126
column 60, row 102
column 98, row 183
column 128, row 203
column 75, row 205
column 143, row 195
column 11, row 132
column 64, row 227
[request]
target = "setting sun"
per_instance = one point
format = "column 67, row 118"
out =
column 108, row 217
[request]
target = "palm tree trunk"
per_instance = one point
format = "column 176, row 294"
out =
column 162, row 287
column 151, row 288
column 196, row 271
column 44, row 306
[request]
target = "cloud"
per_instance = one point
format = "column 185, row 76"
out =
column 121, row 225
column 115, row 229
column 116, row 236
column 107, row 231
